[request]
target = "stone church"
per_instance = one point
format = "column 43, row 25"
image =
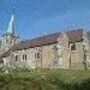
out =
column 68, row 49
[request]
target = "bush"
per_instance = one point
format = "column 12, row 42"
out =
column 45, row 79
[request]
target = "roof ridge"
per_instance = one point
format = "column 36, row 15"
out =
column 41, row 36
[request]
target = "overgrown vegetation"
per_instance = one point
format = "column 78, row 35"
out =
column 44, row 79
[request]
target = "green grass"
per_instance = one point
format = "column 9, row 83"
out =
column 45, row 79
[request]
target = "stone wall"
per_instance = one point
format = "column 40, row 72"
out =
column 58, row 55
column 77, row 56
column 48, row 56
column 72, row 58
column 46, row 60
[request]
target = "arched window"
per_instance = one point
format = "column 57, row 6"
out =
column 55, row 49
column 37, row 55
column 24, row 57
column 16, row 58
column 73, row 46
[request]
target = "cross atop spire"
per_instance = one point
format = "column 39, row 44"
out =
column 11, row 24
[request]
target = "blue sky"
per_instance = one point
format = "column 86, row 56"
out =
column 40, row 17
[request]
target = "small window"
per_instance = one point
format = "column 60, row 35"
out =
column 35, row 56
column 55, row 51
column 73, row 47
column 38, row 55
column 24, row 57
column 16, row 58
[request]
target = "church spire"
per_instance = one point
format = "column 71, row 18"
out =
column 11, row 24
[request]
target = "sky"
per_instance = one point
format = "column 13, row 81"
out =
column 40, row 17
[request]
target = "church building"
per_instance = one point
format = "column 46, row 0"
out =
column 57, row 50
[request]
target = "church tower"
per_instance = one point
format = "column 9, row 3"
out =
column 9, row 38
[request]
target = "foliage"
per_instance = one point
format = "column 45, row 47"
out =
column 44, row 79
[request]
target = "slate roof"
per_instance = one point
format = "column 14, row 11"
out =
column 75, row 35
column 40, row 41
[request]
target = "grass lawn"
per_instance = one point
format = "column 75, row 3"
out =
column 45, row 79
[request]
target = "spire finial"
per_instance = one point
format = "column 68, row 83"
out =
column 11, row 23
